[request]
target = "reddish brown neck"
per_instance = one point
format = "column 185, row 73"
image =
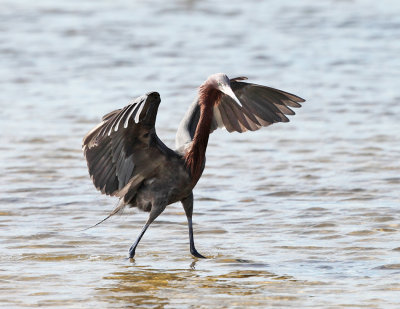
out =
column 194, row 158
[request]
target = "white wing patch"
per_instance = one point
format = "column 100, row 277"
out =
column 139, row 111
column 129, row 116
column 124, row 116
column 119, row 119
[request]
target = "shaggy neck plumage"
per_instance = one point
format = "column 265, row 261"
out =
column 194, row 158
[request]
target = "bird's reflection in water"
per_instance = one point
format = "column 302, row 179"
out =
column 137, row 288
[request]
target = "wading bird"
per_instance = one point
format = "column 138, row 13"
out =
column 126, row 158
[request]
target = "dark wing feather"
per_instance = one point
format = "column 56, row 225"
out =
column 261, row 106
column 124, row 150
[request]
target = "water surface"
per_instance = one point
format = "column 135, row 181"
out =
column 304, row 214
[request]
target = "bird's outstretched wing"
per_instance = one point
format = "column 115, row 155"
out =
column 124, row 150
column 261, row 107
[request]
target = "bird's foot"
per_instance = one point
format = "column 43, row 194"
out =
column 132, row 252
column 196, row 254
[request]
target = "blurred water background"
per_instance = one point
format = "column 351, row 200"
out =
column 304, row 214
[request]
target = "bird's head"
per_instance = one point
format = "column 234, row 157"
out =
column 221, row 82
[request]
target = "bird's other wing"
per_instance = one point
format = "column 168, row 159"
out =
column 124, row 150
column 261, row 107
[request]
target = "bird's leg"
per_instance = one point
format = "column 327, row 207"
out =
column 193, row 250
column 154, row 213
column 188, row 207
column 133, row 247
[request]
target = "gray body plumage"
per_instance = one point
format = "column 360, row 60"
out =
column 132, row 162
column 127, row 159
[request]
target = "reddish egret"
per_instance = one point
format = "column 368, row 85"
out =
column 126, row 158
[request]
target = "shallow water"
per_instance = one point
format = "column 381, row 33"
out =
column 304, row 214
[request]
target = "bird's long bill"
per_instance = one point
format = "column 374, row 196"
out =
column 228, row 91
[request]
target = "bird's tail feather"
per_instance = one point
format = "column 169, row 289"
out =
column 120, row 206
